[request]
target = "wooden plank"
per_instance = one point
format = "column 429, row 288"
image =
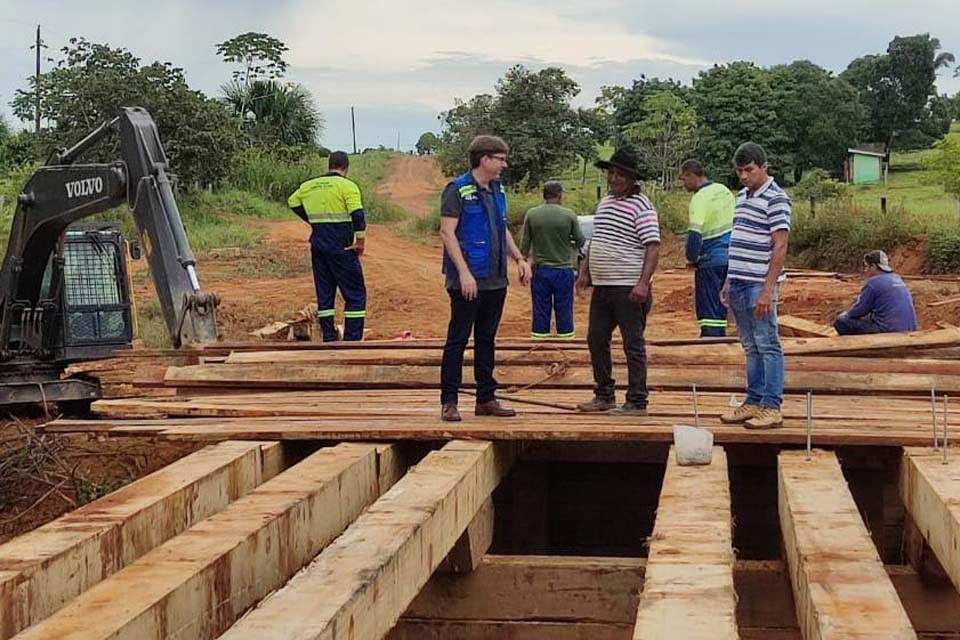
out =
column 197, row 584
column 841, row 589
column 42, row 570
column 792, row 326
column 688, row 589
column 931, row 494
column 706, row 377
column 906, row 430
column 361, row 584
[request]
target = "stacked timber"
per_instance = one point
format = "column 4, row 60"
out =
column 911, row 363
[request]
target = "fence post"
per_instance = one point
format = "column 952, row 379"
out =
column 813, row 206
column 883, row 205
column 598, row 193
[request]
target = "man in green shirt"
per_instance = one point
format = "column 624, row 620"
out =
column 552, row 232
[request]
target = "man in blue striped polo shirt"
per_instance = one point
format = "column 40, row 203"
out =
column 758, row 249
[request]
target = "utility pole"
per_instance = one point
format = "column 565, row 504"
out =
column 398, row 141
column 353, row 125
column 36, row 80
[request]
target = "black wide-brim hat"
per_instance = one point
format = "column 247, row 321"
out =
column 624, row 159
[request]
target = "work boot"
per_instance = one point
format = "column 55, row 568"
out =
column 765, row 418
column 629, row 409
column 449, row 412
column 493, row 408
column 596, row 405
column 741, row 414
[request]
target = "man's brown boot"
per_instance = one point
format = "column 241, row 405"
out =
column 766, row 418
column 450, row 413
column 494, row 408
column 596, row 404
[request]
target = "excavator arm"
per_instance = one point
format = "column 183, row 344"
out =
column 62, row 192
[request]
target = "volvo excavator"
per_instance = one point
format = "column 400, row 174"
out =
column 64, row 294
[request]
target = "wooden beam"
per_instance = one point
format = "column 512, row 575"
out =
column 792, row 326
column 361, row 584
column 197, row 584
column 688, row 590
column 931, row 494
column 42, row 570
column 473, row 544
column 840, row 587
column 605, row 591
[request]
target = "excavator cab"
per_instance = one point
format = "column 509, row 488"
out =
column 97, row 311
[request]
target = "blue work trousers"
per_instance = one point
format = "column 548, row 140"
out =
column 761, row 343
column 336, row 268
column 552, row 290
column 711, row 313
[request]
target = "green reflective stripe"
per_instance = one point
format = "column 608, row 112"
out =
column 325, row 313
column 327, row 218
column 707, row 322
column 567, row 336
column 354, row 314
column 467, row 189
column 539, row 336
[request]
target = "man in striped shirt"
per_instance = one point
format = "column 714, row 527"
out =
column 621, row 260
column 758, row 249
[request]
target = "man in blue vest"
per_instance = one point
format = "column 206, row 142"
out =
column 476, row 243
column 332, row 206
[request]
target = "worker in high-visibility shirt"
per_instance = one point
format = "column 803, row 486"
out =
column 332, row 206
column 708, row 242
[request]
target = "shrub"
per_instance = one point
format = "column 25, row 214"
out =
column 943, row 250
column 817, row 183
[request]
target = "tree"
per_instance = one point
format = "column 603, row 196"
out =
column 260, row 56
column 820, row 114
column 896, row 87
column 427, row 144
column 946, row 166
column 736, row 103
column 93, row 82
column 532, row 112
column 667, row 133
column 276, row 114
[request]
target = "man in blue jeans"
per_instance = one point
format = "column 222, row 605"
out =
column 758, row 249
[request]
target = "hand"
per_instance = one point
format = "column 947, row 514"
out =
column 358, row 244
column 468, row 286
column 526, row 273
column 764, row 303
column 639, row 293
column 582, row 284
column 725, row 294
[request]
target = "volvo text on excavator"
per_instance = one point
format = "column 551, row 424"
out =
column 63, row 289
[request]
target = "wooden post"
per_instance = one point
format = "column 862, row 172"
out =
column 813, row 206
column 883, row 205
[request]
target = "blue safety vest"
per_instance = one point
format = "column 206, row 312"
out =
column 473, row 230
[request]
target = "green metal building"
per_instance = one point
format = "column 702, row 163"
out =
column 864, row 167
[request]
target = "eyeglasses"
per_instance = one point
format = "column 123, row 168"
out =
column 502, row 157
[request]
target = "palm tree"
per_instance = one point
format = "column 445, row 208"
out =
column 276, row 113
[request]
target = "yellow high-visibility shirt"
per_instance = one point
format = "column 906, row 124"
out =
column 329, row 198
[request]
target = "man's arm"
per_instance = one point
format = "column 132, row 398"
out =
column 698, row 217
column 863, row 305
column 577, row 233
column 778, row 257
column 525, row 239
column 295, row 202
column 641, row 291
column 451, row 207
column 523, row 267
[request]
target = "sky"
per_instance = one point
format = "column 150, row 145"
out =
column 400, row 63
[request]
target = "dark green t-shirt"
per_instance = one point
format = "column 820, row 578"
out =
column 553, row 232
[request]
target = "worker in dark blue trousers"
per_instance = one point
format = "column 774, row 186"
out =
column 332, row 206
